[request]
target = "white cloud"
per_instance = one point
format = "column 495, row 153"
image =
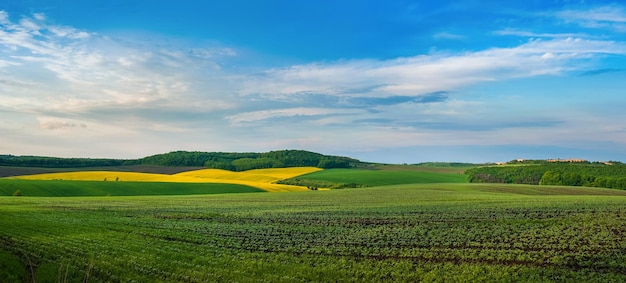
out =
column 448, row 35
column 53, row 124
column 70, row 70
column 613, row 17
column 417, row 75
column 601, row 14
column 4, row 63
column 289, row 112
column 4, row 17
column 523, row 33
column 68, row 32
column 210, row 53
column 39, row 16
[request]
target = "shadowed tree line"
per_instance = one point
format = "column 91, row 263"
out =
column 586, row 174
column 234, row 161
column 237, row 161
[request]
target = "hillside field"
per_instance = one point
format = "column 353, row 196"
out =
column 64, row 188
column 272, row 180
column 408, row 233
column 263, row 179
column 384, row 177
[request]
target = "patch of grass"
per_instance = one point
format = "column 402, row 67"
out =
column 11, row 268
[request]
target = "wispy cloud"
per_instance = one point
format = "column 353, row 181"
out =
column 53, row 124
column 523, row 33
column 448, row 35
column 438, row 96
column 63, row 70
column 290, row 112
column 414, row 76
column 613, row 17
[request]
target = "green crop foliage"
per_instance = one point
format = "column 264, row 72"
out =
column 11, row 268
column 370, row 178
column 58, row 188
column 407, row 233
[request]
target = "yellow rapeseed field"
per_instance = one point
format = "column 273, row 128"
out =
column 103, row 176
column 262, row 178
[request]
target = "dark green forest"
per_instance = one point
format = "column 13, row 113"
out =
column 247, row 161
column 234, row 161
column 596, row 174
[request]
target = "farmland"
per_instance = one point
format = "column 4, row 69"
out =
column 409, row 232
column 61, row 188
column 263, row 179
column 382, row 177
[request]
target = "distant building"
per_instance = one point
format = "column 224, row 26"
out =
column 571, row 160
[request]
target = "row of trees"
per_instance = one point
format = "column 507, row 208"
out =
column 57, row 162
column 586, row 174
column 574, row 179
column 506, row 174
column 235, row 161
column 248, row 161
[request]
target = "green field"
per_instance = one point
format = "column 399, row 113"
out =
column 8, row 171
column 59, row 188
column 372, row 178
column 407, row 233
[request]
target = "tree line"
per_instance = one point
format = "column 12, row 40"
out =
column 234, row 161
column 58, row 162
column 586, row 174
column 248, row 161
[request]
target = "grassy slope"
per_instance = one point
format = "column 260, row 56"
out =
column 384, row 177
column 423, row 232
column 8, row 171
column 57, row 188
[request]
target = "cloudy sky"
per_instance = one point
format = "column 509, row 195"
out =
column 385, row 81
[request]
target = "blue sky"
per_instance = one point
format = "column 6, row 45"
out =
column 383, row 81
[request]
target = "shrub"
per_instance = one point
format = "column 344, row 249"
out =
column 17, row 193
